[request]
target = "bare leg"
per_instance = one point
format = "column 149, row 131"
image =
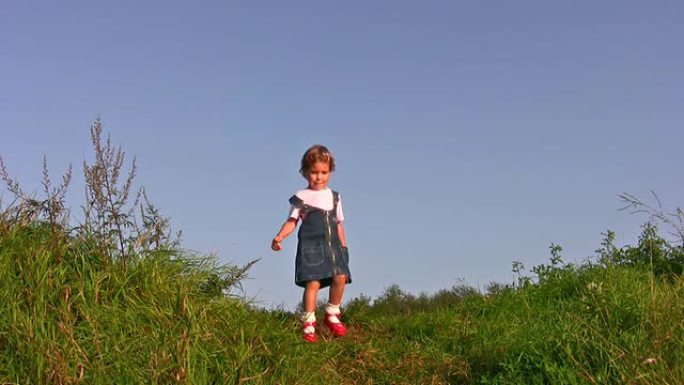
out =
column 332, row 311
column 310, row 295
column 337, row 289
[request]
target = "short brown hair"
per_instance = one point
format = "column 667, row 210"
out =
column 316, row 153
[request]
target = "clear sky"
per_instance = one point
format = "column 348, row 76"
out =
column 468, row 134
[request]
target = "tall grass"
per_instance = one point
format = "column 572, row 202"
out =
column 82, row 319
column 590, row 324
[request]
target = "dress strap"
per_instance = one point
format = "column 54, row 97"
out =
column 297, row 202
column 336, row 198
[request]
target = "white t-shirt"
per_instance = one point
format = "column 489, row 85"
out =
column 323, row 199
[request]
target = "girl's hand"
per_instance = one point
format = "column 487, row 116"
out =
column 287, row 228
column 275, row 244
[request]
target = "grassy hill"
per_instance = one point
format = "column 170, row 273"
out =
column 70, row 315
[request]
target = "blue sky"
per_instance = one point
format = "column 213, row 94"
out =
column 467, row 134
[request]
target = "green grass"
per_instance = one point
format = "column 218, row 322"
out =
column 70, row 315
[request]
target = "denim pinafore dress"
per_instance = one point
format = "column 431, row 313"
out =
column 320, row 254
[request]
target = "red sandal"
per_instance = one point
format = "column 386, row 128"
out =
column 309, row 337
column 338, row 329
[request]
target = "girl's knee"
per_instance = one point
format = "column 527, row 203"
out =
column 340, row 279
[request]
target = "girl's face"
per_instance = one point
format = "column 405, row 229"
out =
column 318, row 176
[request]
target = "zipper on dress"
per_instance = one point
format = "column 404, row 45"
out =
column 332, row 250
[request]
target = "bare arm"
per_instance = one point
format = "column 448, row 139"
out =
column 340, row 232
column 287, row 229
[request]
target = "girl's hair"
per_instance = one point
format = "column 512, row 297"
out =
column 316, row 153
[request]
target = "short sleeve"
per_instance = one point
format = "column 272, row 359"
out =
column 294, row 212
column 297, row 204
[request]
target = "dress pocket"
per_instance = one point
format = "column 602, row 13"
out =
column 312, row 256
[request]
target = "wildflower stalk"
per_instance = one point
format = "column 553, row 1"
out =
column 106, row 199
column 673, row 219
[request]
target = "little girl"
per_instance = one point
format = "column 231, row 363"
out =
column 322, row 256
